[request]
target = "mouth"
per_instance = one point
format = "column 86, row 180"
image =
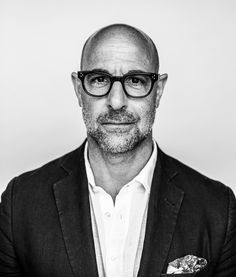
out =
column 118, row 127
column 118, row 123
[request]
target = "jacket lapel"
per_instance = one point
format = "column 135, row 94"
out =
column 72, row 201
column 164, row 204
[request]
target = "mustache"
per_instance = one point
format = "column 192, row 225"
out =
column 119, row 116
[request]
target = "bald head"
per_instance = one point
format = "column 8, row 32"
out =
column 116, row 34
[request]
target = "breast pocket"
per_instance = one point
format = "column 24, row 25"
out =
column 201, row 273
column 181, row 275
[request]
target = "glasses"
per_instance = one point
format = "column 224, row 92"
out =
column 99, row 84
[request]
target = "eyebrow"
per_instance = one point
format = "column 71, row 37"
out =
column 130, row 71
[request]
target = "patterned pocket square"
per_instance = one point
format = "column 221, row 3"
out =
column 186, row 264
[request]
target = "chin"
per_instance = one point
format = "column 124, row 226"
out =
column 120, row 144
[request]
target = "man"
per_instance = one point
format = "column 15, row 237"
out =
column 117, row 205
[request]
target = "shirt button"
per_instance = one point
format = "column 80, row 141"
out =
column 108, row 214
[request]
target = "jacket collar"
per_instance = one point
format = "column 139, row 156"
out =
column 70, row 161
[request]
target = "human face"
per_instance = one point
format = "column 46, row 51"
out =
column 118, row 123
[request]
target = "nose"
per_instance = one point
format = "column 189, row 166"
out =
column 117, row 98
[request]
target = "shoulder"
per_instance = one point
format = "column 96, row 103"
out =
column 47, row 174
column 200, row 190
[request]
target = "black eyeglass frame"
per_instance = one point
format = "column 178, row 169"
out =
column 154, row 77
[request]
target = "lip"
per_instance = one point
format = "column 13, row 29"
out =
column 120, row 127
column 118, row 123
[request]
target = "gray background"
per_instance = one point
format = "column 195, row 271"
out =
column 41, row 42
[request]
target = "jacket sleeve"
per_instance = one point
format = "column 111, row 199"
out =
column 226, row 265
column 9, row 265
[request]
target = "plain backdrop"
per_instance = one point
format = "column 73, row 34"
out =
column 41, row 43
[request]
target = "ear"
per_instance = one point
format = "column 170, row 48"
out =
column 160, row 87
column 77, row 87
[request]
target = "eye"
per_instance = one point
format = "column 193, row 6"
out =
column 97, row 80
column 136, row 81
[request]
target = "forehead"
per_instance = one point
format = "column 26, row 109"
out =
column 119, row 54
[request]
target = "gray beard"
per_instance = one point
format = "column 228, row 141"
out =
column 116, row 142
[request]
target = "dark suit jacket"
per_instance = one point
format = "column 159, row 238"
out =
column 45, row 223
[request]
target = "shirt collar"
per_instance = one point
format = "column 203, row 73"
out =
column 144, row 177
column 88, row 168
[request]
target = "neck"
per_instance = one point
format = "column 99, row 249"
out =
column 113, row 171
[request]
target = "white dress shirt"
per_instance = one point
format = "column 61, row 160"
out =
column 118, row 233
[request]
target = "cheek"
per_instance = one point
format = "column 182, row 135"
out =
column 90, row 110
column 147, row 114
column 87, row 111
